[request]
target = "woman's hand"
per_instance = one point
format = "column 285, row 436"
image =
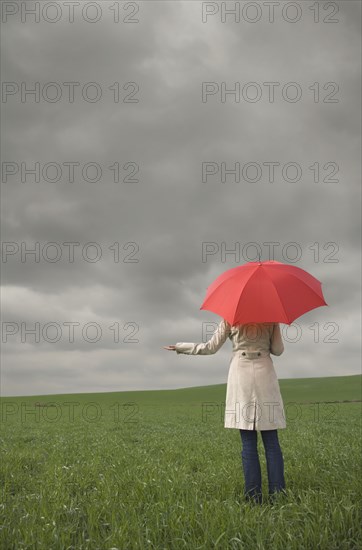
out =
column 170, row 348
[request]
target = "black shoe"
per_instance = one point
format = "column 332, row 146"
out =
column 254, row 499
column 277, row 496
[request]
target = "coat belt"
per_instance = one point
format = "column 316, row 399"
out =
column 249, row 354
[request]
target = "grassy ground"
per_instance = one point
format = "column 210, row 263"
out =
column 157, row 469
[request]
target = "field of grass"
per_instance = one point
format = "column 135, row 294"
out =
column 158, row 470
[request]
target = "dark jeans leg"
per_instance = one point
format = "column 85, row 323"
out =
column 274, row 461
column 251, row 465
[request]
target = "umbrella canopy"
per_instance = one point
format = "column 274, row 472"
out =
column 261, row 292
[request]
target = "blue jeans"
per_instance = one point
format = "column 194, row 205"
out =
column 251, row 464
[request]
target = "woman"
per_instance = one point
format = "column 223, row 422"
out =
column 253, row 399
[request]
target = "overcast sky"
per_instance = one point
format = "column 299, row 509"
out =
column 156, row 277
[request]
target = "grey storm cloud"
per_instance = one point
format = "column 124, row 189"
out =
column 151, row 237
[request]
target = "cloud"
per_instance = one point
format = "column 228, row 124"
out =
column 166, row 218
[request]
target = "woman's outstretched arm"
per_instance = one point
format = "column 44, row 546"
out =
column 208, row 348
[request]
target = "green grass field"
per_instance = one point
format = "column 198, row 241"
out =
column 157, row 469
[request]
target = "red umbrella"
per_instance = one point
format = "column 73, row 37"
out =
column 263, row 292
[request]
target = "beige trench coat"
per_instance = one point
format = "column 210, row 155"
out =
column 253, row 398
